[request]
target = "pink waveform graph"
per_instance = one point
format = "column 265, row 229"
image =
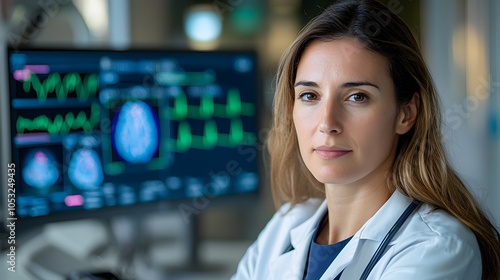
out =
column 24, row 74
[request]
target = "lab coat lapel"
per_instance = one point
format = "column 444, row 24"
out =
column 343, row 259
column 366, row 241
column 291, row 265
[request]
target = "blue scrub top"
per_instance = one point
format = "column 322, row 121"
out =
column 321, row 256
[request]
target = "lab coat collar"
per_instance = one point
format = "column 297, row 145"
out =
column 305, row 230
column 377, row 227
column 300, row 237
column 374, row 229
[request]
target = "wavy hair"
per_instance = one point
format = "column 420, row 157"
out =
column 420, row 170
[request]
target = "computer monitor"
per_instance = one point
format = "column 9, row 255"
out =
column 96, row 132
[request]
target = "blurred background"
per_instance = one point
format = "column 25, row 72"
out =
column 460, row 40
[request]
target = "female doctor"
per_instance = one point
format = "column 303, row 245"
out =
column 358, row 165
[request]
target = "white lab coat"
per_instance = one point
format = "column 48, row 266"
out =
column 430, row 245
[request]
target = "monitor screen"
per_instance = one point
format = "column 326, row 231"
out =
column 97, row 129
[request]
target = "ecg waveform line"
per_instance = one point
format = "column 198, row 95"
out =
column 210, row 138
column 207, row 109
column 62, row 86
column 61, row 124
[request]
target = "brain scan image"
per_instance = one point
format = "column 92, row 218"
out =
column 136, row 132
column 40, row 169
column 85, row 169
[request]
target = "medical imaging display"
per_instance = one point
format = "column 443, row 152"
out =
column 95, row 129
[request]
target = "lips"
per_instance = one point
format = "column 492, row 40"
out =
column 331, row 152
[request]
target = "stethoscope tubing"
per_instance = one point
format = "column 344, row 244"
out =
column 388, row 237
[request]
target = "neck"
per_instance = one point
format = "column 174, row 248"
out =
column 349, row 207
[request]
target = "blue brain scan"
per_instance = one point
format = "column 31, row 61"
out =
column 85, row 169
column 136, row 132
column 40, row 170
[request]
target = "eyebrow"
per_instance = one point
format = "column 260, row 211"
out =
column 357, row 84
column 344, row 85
column 306, row 84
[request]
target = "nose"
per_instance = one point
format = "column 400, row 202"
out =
column 330, row 116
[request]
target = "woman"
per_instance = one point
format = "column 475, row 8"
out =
column 356, row 155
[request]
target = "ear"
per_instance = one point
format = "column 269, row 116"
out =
column 408, row 115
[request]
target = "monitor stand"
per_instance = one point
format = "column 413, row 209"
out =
column 194, row 264
column 126, row 239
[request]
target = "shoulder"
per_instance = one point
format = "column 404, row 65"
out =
column 441, row 244
column 440, row 224
column 288, row 217
column 275, row 237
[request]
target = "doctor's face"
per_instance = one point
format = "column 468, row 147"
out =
column 345, row 112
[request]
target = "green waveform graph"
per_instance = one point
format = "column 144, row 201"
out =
column 61, row 124
column 211, row 137
column 180, row 110
column 62, row 87
column 233, row 105
column 208, row 109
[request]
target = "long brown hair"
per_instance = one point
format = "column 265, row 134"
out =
column 421, row 170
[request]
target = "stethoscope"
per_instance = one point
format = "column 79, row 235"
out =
column 385, row 242
column 388, row 237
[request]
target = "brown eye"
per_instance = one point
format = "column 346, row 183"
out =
column 357, row 97
column 307, row 96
